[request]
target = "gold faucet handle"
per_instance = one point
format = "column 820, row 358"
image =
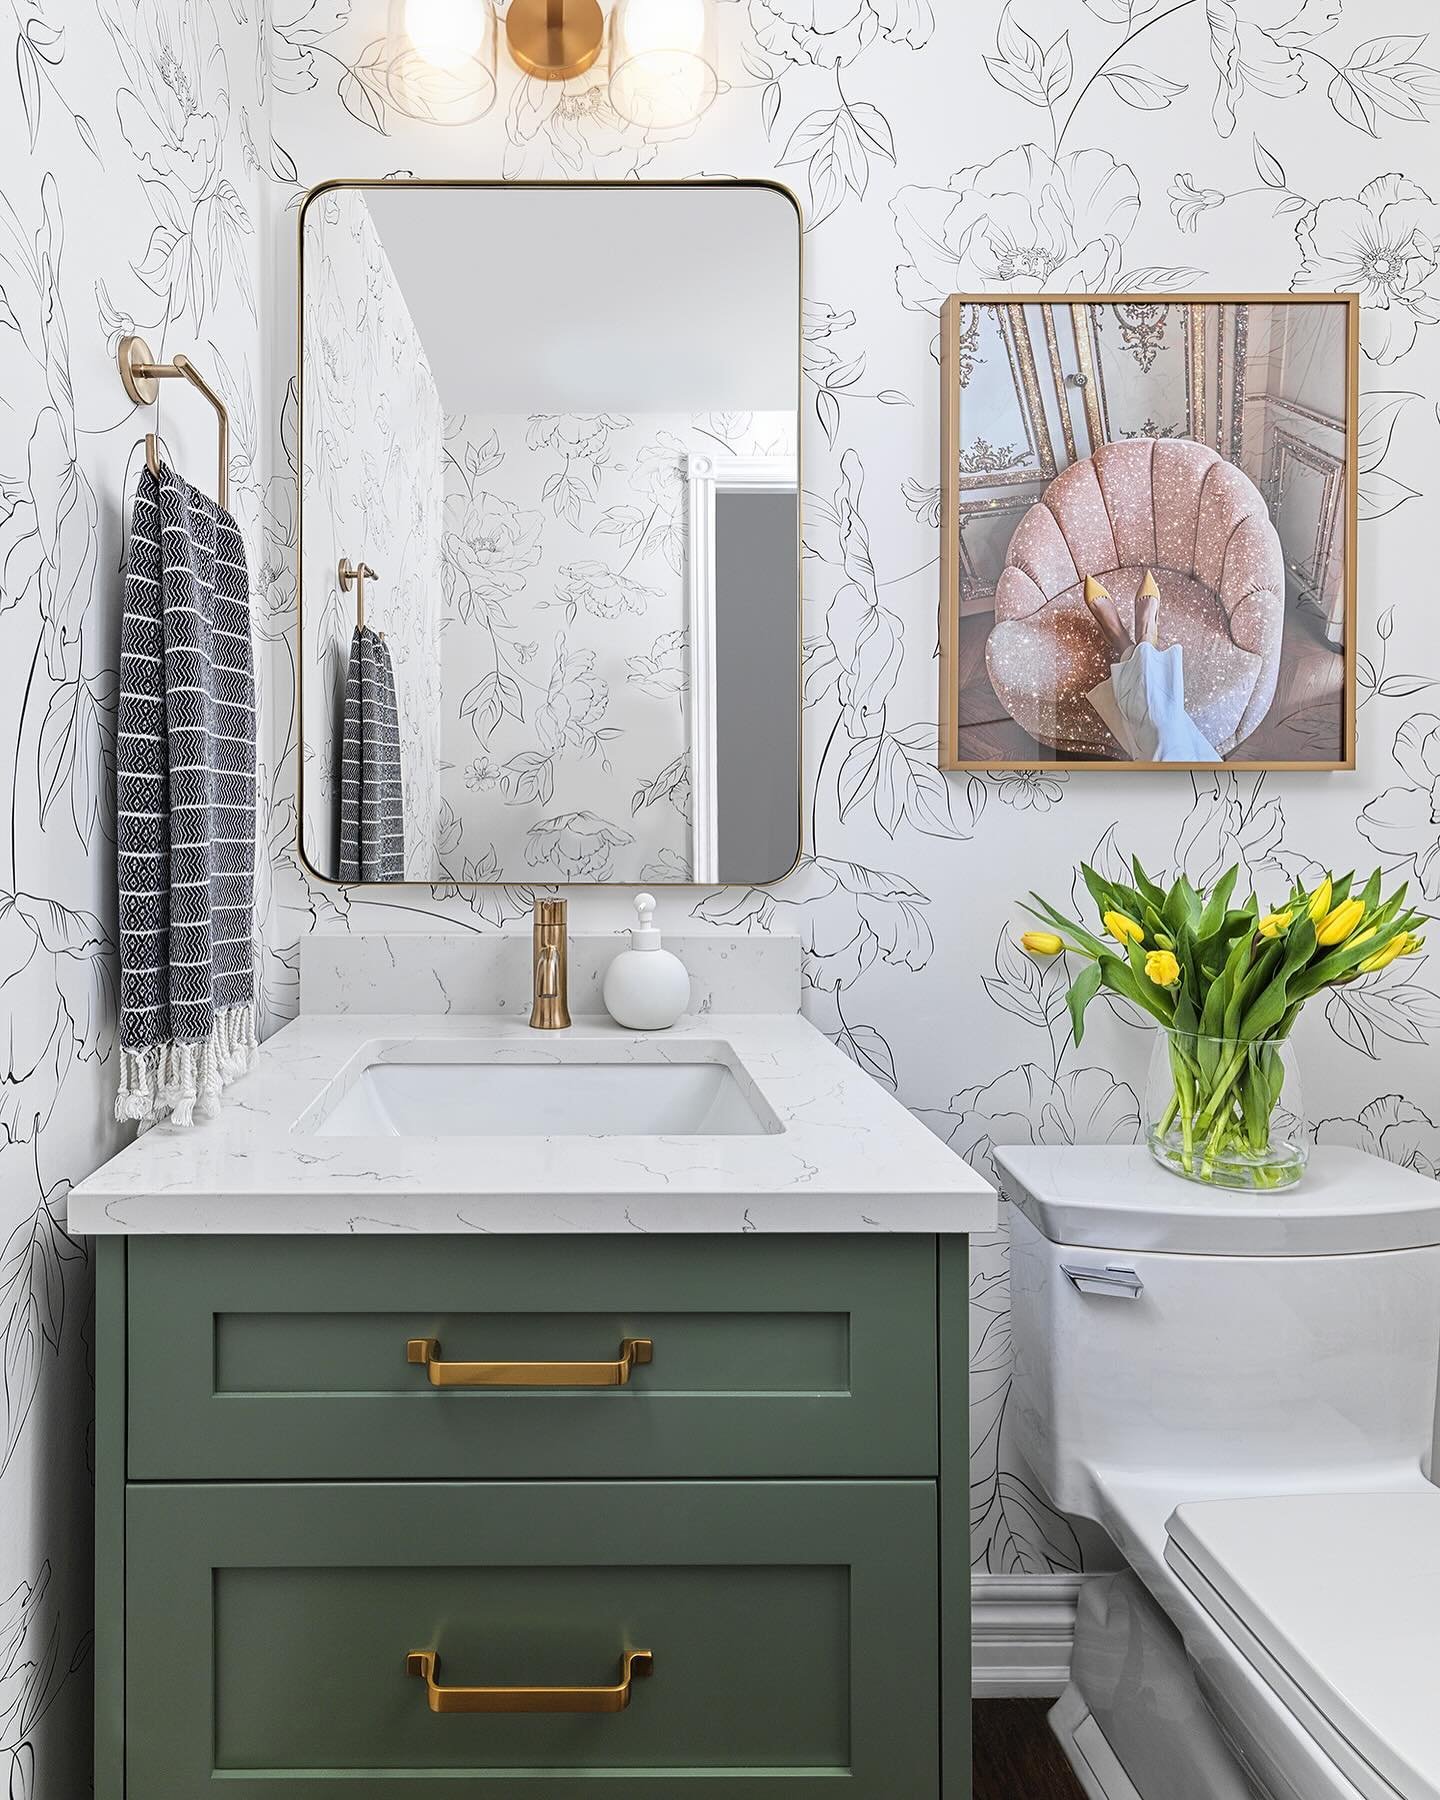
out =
column 547, row 973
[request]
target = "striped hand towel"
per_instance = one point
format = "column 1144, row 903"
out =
column 185, row 766
column 372, row 825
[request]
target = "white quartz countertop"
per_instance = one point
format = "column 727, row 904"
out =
column 842, row 1155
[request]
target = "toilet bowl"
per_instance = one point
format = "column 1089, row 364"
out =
column 1241, row 1390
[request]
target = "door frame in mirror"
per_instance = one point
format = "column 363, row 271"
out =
column 705, row 477
column 337, row 184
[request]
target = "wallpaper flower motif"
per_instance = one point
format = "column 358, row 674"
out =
column 1392, row 1127
column 832, row 33
column 1385, row 245
column 556, row 582
column 1404, row 822
column 374, row 444
column 1115, row 124
column 128, row 205
column 1025, row 221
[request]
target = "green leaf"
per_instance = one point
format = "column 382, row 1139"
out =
column 1153, row 894
column 1099, row 889
column 1266, row 1013
column 1082, row 991
column 1216, row 906
column 1182, row 906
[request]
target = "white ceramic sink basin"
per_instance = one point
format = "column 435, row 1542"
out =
column 543, row 1099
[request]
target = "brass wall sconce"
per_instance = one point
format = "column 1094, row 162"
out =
column 441, row 55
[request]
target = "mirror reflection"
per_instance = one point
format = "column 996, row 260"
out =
column 550, row 533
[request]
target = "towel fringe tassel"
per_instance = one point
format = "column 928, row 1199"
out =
column 181, row 1081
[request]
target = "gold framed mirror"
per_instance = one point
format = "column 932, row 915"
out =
column 549, row 541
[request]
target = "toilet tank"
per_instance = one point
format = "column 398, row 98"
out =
column 1164, row 1330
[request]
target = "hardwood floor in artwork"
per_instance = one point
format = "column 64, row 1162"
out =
column 1302, row 725
column 1016, row 1757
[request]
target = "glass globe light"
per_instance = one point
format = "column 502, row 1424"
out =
column 440, row 59
column 662, row 61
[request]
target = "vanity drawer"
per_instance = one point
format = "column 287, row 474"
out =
column 286, row 1359
column 792, row 1626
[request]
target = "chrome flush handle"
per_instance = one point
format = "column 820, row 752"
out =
column 1114, row 1281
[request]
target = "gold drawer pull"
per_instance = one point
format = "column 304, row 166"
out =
column 633, row 1665
column 633, row 1351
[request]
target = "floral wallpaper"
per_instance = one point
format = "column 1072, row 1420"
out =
column 373, row 455
column 154, row 151
column 130, row 135
column 1016, row 145
column 565, row 735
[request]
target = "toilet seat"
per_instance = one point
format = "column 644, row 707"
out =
column 1333, row 1600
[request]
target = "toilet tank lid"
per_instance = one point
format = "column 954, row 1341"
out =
column 1117, row 1197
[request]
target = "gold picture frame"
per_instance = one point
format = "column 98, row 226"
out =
column 1054, row 425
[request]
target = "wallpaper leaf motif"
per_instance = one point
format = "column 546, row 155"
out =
column 151, row 116
column 128, row 205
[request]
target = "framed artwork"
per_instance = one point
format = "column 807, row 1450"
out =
column 1148, row 515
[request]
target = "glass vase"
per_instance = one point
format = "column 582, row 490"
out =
column 1226, row 1111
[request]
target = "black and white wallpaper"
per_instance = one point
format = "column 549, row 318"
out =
column 154, row 151
column 131, row 201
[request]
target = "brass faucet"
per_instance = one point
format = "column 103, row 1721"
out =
column 548, row 1010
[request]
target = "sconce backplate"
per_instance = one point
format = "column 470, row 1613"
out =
column 555, row 39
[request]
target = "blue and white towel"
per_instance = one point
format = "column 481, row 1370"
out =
column 372, row 822
column 185, row 767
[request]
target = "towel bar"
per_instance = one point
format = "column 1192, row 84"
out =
column 141, row 376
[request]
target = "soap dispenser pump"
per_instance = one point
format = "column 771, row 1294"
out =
column 646, row 987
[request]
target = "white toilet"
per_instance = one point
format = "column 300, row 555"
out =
column 1241, row 1391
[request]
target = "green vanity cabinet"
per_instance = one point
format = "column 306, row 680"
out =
column 774, row 1508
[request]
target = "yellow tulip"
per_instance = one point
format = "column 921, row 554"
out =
column 1123, row 928
column 1320, row 901
column 1042, row 943
column 1339, row 922
column 1275, row 922
column 1386, row 953
column 1162, row 968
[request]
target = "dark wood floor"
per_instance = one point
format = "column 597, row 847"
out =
column 1016, row 1758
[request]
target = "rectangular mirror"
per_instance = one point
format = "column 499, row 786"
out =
column 550, row 532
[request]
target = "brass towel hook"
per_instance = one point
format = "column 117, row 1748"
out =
column 356, row 575
column 142, row 375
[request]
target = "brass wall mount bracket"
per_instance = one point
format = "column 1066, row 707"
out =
column 141, row 375
column 555, row 39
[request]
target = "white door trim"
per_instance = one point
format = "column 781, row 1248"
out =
column 705, row 476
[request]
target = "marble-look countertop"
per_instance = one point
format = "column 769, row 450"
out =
column 842, row 1155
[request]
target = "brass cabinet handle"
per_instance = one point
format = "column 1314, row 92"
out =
column 425, row 1663
column 633, row 1351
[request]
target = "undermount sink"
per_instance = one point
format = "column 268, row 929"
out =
column 553, row 1098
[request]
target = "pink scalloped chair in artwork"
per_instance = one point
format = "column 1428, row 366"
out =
column 1170, row 504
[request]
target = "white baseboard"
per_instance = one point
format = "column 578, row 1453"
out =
column 1023, row 1627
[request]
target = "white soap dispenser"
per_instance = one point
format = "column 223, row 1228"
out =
column 646, row 988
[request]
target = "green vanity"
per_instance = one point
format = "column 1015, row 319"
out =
column 558, row 1413
column 387, row 1511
